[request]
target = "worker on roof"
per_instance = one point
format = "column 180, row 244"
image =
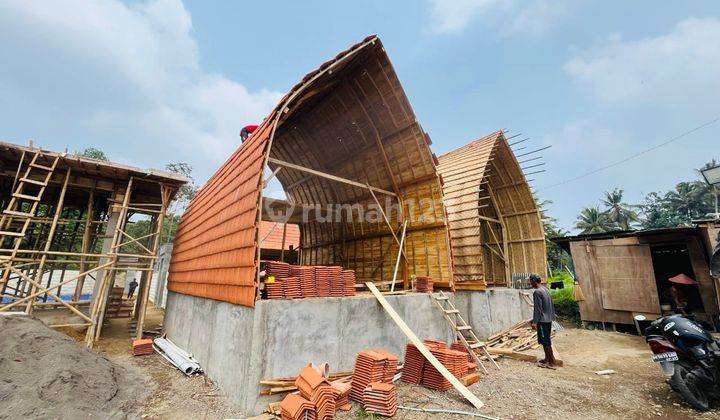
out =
column 246, row 131
column 543, row 316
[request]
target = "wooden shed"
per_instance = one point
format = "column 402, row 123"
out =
column 626, row 273
column 356, row 168
column 493, row 219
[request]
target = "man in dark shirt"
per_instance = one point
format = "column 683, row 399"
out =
column 131, row 288
column 543, row 316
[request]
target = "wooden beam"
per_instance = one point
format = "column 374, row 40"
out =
column 329, row 176
column 474, row 400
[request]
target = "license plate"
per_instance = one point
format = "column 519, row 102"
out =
column 669, row 356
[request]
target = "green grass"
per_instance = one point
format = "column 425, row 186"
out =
column 565, row 306
column 365, row 415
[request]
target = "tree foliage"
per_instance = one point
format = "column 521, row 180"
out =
column 93, row 153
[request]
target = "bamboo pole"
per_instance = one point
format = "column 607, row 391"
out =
column 85, row 243
column 166, row 193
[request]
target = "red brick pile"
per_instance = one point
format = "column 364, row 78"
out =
column 142, row 347
column 417, row 370
column 318, row 391
column 424, row 284
column 371, row 366
column 380, row 398
column 460, row 347
column 295, row 407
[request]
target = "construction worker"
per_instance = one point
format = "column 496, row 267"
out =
column 543, row 316
column 131, row 288
column 246, row 131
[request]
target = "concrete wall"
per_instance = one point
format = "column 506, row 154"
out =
column 494, row 310
column 239, row 346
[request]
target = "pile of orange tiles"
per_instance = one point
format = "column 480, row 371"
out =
column 341, row 392
column 348, row 280
column 317, row 390
column 295, row 407
column 299, row 281
column 371, row 366
column 380, row 398
column 424, row 284
column 291, row 287
column 142, row 347
column 417, row 370
column 274, row 290
column 306, row 274
column 277, row 269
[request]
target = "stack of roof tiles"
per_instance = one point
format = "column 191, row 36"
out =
column 417, row 370
column 348, row 279
column 291, row 288
column 461, row 347
column 341, row 392
column 371, row 366
column 306, row 274
column 142, row 347
column 380, row 398
column 274, row 290
column 278, row 269
column 413, row 365
column 322, row 280
column 315, row 388
column 337, row 286
column 455, row 361
column 424, row 284
column 295, row 407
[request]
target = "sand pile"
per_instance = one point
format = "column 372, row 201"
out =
column 47, row 374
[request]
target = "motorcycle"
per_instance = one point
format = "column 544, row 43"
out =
column 689, row 357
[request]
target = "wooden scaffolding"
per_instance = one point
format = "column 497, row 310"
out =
column 77, row 225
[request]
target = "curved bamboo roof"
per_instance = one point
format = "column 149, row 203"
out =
column 493, row 219
column 348, row 120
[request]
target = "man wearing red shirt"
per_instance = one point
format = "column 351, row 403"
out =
column 246, row 131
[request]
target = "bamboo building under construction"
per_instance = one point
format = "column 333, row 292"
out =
column 73, row 230
column 496, row 233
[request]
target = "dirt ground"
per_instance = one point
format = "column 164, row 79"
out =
column 519, row 390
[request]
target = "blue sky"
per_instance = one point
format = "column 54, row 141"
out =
column 151, row 82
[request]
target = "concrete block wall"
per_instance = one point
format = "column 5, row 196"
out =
column 238, row 346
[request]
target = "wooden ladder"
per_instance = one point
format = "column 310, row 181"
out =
column 14, row 209
column 463, row 331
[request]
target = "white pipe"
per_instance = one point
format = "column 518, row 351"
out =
column 177, row 356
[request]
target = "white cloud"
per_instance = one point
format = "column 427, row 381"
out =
column 509, row 18
column 128, row 72
column 682, row 66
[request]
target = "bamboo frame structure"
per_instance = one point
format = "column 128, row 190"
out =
column 342, row 140
column 92, row 207
column 493, row 219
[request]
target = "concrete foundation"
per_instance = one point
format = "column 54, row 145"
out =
column 238, row 346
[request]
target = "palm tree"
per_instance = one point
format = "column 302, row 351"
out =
column 686, row 199
column 617, row 211
column 592, row 220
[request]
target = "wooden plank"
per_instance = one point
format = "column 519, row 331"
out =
column 329, row 176
column 512, row 354
column 475, row 401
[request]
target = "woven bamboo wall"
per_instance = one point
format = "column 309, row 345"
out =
column 483, row 181
column 355, row 122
